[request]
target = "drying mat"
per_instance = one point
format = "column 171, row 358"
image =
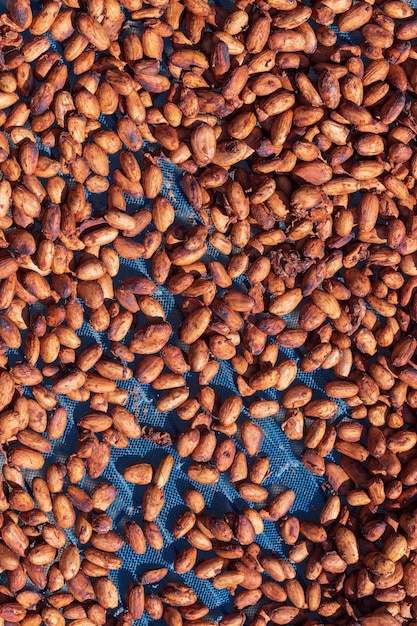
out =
column 286, row 468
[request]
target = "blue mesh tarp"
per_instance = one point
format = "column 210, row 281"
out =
column 222, row 497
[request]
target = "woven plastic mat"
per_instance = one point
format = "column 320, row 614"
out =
column 222, row 497
column 286, row 468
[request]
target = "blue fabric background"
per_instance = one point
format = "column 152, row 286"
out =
column 286, row 469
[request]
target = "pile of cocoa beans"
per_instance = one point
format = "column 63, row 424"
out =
column 293, row 128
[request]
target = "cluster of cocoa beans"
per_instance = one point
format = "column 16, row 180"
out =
column 294, row 128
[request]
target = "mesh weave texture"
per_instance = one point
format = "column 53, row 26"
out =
column 286, row 468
